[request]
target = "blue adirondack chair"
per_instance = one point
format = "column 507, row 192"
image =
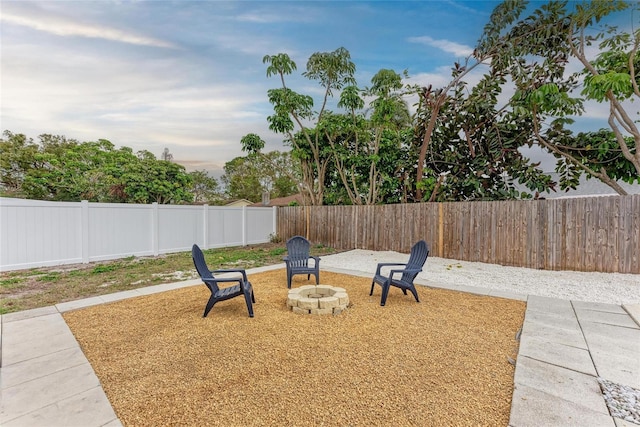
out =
column 243, row 286
column 402, row 277
column 297, row 259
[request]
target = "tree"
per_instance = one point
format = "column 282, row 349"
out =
column 204, row 188
column 17, row 155
column 166, row 155
column 150, row 180
column 473, row 147
column 432, row 99
column 546, row 92
column 64, row 169
column 248, row 177
column 333, row 70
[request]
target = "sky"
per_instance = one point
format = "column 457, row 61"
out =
column 188, row 75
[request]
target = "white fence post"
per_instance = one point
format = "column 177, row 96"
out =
column 155, row 241
column 205, row 227
column 275, row 221
column 244, row 226
column 84, row 230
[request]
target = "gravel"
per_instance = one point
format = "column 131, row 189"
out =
column 623, row 401
column 610, row 288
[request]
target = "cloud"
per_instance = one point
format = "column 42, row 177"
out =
column 448, row 46
column 66, row 28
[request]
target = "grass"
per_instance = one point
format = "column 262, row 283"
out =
column 41, row 287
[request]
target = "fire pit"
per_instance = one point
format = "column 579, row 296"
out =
column 320, row 299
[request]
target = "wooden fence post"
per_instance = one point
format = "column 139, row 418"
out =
column 440, row 230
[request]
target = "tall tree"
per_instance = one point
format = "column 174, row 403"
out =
column 333, row 71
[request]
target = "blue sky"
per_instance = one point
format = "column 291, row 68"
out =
column 188, row 75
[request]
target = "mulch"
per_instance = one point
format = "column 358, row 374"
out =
column 443, row 361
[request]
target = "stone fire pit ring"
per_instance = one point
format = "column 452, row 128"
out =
column 320, row 299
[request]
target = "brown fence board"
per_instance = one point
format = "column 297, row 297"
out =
column 584, row 234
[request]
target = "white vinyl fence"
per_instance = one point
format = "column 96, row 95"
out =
column 37, row 233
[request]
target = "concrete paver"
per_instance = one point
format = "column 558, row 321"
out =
column 45, row 379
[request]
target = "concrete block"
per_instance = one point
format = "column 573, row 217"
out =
column 559, row 307
column 38, row 367
column 571, row 337
column 552, row 319
column 562, row 383
column 321, row 311
column 617, row 319
column 597, row 306
column 308, row 303
column 28, row 314
column 535, row 408
column 33, row 395
column 619, row 367
column 576, row 359
column 343, row 298
column 329, row 302
column 90, row 408
column 634, row 311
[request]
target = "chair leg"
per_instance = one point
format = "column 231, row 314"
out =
column 288, row 280
column 373, row 283
column 385, row 293
column 317, row 278
column 414, row 292
column 209, row 306
column 248, row 299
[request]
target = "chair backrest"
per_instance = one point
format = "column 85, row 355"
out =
column 298, row 250
column 203, row 270
column 419, row 254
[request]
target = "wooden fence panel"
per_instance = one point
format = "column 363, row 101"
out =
column 584, row 234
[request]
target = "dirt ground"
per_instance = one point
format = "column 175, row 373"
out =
column 443, row 361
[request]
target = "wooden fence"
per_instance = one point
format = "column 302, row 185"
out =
column 582, row 234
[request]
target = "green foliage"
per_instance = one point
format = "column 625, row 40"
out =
column 49, row 277
column 104, row 268
column 536, row 54
column 247, row 177
column 66, row 170
column 252, row 143
column 204, row 188
column 11, row 282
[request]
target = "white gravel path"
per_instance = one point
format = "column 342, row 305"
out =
column 611, row 288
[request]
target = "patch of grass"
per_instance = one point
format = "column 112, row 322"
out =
column 277, row 251
column 11, row 282
column 49, row 277
column 27, row 289
column 104, row 268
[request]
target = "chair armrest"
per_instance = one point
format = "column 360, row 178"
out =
column 241, row 271
column 386, row 264
column 405, row 270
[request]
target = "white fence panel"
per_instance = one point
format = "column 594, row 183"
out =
column 36, row 233
column 259, row 224
column 33, row 234
column 119, row 230
column 179, row 227
column 225, row 227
